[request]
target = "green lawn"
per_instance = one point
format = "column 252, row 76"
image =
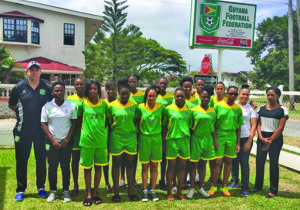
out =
column 288, row 196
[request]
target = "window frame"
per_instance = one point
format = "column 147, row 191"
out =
column 13, row 28
column 69, row 37
column 35, row 33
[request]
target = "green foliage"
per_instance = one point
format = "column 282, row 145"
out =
column 118, row 51
column 6, row 63
column 270, row 53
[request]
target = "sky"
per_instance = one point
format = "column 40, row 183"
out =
column 167, row 21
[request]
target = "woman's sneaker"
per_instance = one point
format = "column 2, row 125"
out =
column 52, row 196
column 66, row 196
column 203, row 193
column 154, row 196
column 190, row 194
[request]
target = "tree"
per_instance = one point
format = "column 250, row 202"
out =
column 270, row 53
column 6, row 63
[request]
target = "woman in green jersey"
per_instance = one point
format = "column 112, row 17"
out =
column 203, row 140
column 177, row 123
column 228, row 130
column 76, row 99
column 123, row 138
column 150, row 127
column 187, row 84
column 93, row 139
column 199, row 84
column 165, row 99
column 111, row 91
column 220, row 96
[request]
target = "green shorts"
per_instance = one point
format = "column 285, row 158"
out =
column 227, row 143
column 93, row 156
column 76, row 139
column 202, row 147
column 119, row 144
column 150, row 148
column 178, row 148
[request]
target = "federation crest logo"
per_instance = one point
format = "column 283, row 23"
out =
column 210, row 17
column 42, row 91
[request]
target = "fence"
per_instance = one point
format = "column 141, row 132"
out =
column 291, row 132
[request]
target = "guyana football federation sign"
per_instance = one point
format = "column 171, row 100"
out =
column 220, row 24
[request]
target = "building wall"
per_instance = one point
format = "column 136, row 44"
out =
column 51, row 36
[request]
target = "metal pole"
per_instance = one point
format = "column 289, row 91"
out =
column 291, row 54
column 220, row 58
column 298, row 18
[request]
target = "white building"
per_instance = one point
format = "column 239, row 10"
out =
column 53, row 35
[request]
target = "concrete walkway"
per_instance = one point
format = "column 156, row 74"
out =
column 286, row 159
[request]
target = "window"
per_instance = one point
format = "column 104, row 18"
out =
column 15, row 30
column 69, row 34
column 35, row 32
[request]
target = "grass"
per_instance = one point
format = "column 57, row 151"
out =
column 288, row 196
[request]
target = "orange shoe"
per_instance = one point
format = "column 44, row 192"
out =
column 225, row 191
column 212, row 190
column 170, row 197
column 180, row 197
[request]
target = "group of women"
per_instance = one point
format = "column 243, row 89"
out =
column 181, row 132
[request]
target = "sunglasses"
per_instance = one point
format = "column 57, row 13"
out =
column 233, row 94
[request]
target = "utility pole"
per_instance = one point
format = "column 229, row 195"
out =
column 291, row 54
column 298, row 18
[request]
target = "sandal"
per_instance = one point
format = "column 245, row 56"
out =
column 116, row 198
column 170, row 197
column 134, row 197
column 270, row 195
column 97, row 200
column 74, row 192
column 180, row 197
column 108, row 188
column 88, row 202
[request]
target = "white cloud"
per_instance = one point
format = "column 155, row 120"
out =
column 167, row 21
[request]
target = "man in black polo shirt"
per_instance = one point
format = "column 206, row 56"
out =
column 27, row 99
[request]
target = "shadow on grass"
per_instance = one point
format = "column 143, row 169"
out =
column 3, row 178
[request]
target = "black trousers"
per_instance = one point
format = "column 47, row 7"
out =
column 55, row 157
column 274, row 152
column 23, row 144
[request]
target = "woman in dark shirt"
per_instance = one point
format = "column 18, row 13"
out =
column 271, row 121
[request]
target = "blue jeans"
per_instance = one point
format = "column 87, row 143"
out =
column 243, row 159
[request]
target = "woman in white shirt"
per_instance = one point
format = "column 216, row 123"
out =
column 58, row 121
column 247, row 134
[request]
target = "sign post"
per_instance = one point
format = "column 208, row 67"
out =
column 222, row 25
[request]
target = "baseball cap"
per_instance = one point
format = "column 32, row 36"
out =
column 33, row 63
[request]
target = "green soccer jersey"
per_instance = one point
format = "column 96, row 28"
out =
column 229, row 118
column 192, row 101
column 166, row 99
column 138, row 97
column 93, row 132
column 210, row 103
column 203, row 121
column 151, row 119
column 77, row 101
column 178, row 121
column 214, row 100
column 123, row 118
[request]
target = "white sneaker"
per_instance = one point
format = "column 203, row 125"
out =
column 174, row 189
column 190, row 194
column 188, row 177
column 52, row 196
column 203, row 193
column 66, row 196
column 197, row 178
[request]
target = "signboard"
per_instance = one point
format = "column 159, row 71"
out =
column 205, row 65
column 222, row 24
column 209, row 79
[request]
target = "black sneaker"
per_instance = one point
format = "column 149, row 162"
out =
column 186, row 186
column 162, row 185
column 145, row 197
column 219, row 182
column 209, row 180
column 154, row 196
